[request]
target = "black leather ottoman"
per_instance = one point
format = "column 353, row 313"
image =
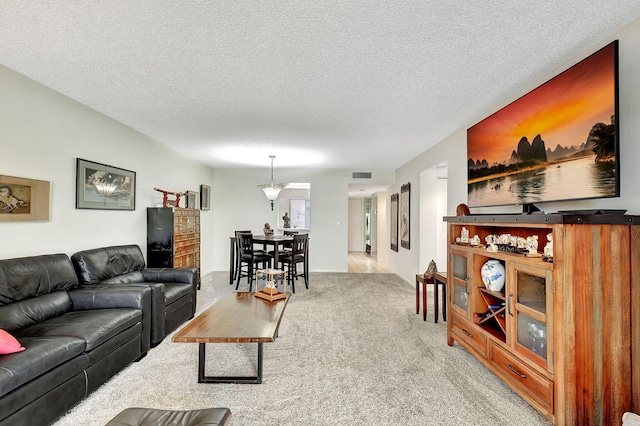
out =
column 153, row 417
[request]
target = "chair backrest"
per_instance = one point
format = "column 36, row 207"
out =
column 289, row 233
column 238, row 238
column 300, row 242
column 241, row 232
column 245, row 243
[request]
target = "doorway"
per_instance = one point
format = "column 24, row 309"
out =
column 367, row 228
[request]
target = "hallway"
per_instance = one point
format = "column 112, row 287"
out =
column 359, row 262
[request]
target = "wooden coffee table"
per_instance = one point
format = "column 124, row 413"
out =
column 238, row 317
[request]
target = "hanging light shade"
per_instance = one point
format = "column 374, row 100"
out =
column 271, row 190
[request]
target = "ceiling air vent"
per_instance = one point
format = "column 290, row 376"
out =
column 361, row 175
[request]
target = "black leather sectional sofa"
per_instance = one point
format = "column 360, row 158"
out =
column 173, row 291
column 78, row 333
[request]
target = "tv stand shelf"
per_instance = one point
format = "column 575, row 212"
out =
column 559, row 334
column 497, row 314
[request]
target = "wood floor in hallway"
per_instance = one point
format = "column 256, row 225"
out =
column 359, row 262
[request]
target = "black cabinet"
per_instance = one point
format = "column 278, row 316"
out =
column 173, row 237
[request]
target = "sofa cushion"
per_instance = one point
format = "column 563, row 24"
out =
column 96, row 265
column 41, row 355
column 131, row 277
column 94, row 327
column 9, row 344
column 26, row 313
column 27, row 277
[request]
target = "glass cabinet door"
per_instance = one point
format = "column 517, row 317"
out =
column 460, row 292
column 531, row 310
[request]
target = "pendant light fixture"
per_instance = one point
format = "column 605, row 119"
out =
column 271, row 190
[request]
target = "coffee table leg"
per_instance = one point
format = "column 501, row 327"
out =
column 257, row 379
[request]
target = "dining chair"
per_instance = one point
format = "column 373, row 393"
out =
column 285, row 246
column 299, row 254
column 249, row 257
column 236, row 253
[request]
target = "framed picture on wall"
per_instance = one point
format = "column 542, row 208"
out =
column 205, row 197
column 405, row 196
column 394, row 222
column 191, row 199
column 99, row 186
column 24, row 200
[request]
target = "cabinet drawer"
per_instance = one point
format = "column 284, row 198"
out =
column 469, row 334
column 521, row 378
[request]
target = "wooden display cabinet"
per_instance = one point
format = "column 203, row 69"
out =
column 173, row 237
column 559, row 334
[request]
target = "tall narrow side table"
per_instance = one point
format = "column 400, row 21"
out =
column 439, row 278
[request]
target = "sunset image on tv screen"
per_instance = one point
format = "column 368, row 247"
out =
column 558, row 142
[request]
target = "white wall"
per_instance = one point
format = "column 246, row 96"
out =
column 433, row 231
column 453, row 151
column 42, row 133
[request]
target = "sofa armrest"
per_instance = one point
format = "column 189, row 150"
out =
column 175, row 275
column 113, row 297
column 171, row 275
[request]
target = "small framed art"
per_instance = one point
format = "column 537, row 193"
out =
column 99, row 186
column 394, row 222
column 205, row 197
column 24, row 200
column 405, row 199
column 191, row 199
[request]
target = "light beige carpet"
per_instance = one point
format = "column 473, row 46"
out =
column 351, row 351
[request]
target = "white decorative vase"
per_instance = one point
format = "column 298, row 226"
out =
column 493, row 275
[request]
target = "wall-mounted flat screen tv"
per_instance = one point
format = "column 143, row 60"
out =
column 558, row 142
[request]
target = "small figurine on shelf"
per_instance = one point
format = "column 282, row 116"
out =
column 267, row 230
column 475, row 241
column 548, row 248
column 532, row 244
column 464, row 235
column 491, row 240
column 287, row 220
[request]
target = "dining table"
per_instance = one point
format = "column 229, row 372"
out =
column 266, row 240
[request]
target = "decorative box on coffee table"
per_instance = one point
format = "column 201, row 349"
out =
column 267, row 284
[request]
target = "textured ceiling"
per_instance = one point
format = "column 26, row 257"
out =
column 333, row 84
